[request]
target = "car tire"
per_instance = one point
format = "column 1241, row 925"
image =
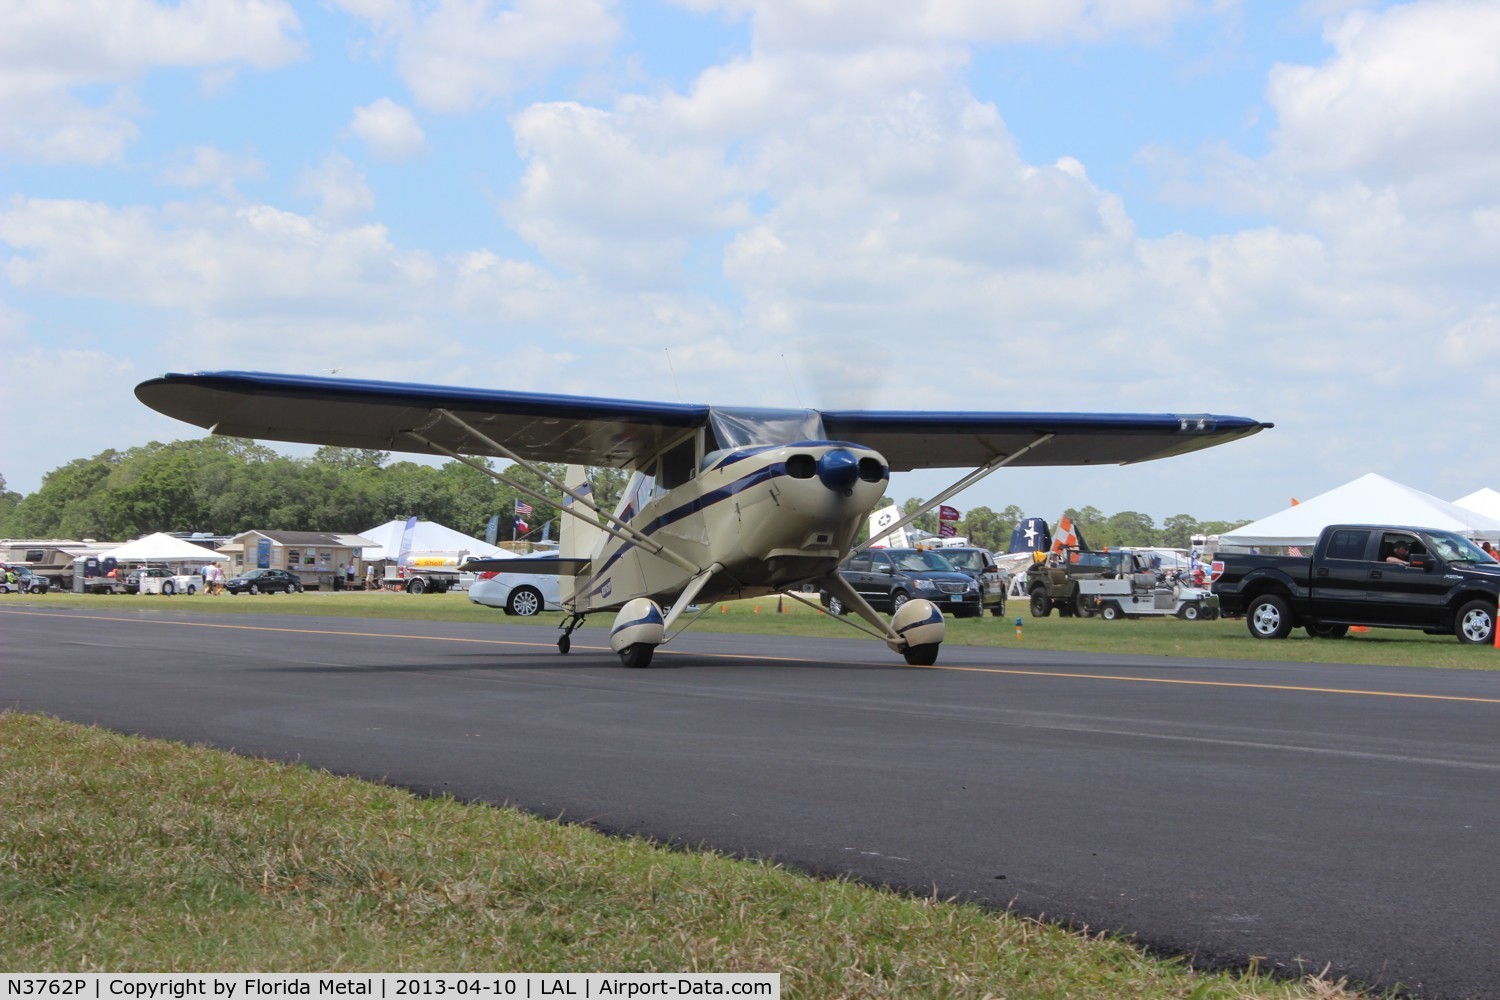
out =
column 295, row 588
column 191, row 590
column 254, row 588
column 1111, row 612
column 525, row 602
column 898, row 598
column 1190, row 613
column 1041, row 604
column 1475, row 624
column 1269, row 617
column 168, row 589
column 836, row 607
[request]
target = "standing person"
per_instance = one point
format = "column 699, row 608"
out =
column 369, row 576
column 349, row 576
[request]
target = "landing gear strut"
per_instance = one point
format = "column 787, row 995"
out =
column 564, row 642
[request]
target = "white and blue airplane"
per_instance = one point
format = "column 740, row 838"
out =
column 722, row 503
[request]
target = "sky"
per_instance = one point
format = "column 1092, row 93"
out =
column 1283, row 211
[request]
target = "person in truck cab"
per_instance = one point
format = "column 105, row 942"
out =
column 1400, row 552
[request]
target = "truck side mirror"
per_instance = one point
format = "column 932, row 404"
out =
column 1422, row 561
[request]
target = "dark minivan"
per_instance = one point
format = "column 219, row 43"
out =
column 888, row 578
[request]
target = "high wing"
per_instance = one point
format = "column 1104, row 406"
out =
column 936, row 440
column 352, row 413
column 585, row 430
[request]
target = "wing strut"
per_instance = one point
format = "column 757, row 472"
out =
column 952, row 491
column 615, row 527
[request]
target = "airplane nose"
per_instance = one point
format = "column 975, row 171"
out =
column 838, row 469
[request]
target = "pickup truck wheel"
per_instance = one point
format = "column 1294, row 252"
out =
column 1475, row 624
column 525, row 601
column 1041, row 604
column 835, row 606
column 1269, row 617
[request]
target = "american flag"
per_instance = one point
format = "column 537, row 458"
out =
column 522, row 507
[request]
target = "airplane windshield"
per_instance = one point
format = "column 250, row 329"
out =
column 740, row 427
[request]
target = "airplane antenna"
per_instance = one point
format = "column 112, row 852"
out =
column 673, row 370
column 792, row 382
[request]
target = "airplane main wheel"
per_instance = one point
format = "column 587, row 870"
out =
column 564, row 644
column 921, row 656
column 637, row 654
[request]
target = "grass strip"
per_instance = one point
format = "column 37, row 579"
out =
column 1167, row 636
column 126, row 854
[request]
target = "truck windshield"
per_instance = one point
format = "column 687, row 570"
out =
column 1456, row 548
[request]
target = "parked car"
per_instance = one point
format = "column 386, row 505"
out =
column 264, row 581
column 521, row 593
column 888, row 578
column 980, row 565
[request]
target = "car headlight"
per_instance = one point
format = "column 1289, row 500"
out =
column 926, row 585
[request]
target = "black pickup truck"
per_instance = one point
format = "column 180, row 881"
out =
column 1443, row 585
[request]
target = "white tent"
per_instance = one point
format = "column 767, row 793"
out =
column 1370, row 499
column 427, row 536
column 1485, row 501
column 165, row 548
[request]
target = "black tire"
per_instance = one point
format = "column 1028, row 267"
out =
column 168, row 589
column 637, row 655
column 1475, row 624
column 295, row 588
column 1327, row 631
column 254, row 588
column 564, row 644
column 416, row 586
column 192, row 590
column 897, row 600
column 1111, row 612
column 921, row 656
column 1190, row 613
column 1041, row 604
column 525, row 602
column 836, row 606
column 1269, row 617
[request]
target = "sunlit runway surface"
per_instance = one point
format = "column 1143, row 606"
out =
column 1315, row 815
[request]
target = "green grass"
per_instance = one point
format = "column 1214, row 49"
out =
column 1170, row 637
column 127, row 854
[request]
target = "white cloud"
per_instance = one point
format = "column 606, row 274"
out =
column 338, row 186
column 211, row 167
column 390, row 130
column 49, row 48
column 457, row 54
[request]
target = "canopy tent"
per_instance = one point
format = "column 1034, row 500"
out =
column 1370, row 499
column 165, row 548
column 1485, row 501
column 427, row 536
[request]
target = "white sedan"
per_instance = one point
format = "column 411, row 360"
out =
column 517, row 593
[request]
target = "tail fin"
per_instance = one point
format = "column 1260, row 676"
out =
column 577, row 539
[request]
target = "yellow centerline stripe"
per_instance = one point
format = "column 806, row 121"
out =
column 788, row 659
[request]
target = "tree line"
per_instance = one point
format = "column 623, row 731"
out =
column 223, row 486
